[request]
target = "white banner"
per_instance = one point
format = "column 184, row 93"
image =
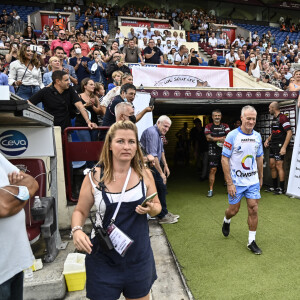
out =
column 293, row 187
column 26, row 142
column 180, row 77
column 140, row 102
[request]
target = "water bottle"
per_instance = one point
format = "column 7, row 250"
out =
column 28, row 274
column 37, row 202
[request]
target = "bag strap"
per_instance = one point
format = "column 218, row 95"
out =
column 121, row 197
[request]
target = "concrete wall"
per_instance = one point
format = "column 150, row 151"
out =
column 242, row 79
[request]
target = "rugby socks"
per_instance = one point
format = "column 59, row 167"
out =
column 227, row 220
column 251, row 237
column 282, row 185
column 275, row 183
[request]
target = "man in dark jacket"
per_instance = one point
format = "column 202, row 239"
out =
column 115, row 65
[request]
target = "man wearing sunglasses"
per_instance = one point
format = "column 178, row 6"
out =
column 62, row 42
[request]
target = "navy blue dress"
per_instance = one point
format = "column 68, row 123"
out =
column 109, row 274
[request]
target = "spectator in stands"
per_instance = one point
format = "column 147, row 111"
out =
column 278, row 62
column 143, row 44
column 116, row 77
column 59, row 52
column 114, row 48
column 240, row 64
column 116, row 65
column 13, row 53
column 96, row 67
column 127, row 92
column 4, row 77
column 181, row 57
column 176, row 45
column 212, row 41
column 193, row 58
column 76, row 10
column 54, row 65
column 5, row 22
column 85, row 49
column 62, row 42
column 149, row 32
column 221, row 41
column 59, row 21
column 181, row 38
column 231, row 57
column 98, row 45
column 119, row 35
column 86, row 23
column 294, row 86
column 153, row 55
column 186, row 24
column 92, row 106
column 80, row 63
column 28, row 33
column 103, row 33
column 25, row 74
column 132, row 53
column 213, row 62
column 171, row 55
column 131, row 34
column 126, row 78
column 144, row 34
column 59, row 100
column 255, row 67
column 167, row 49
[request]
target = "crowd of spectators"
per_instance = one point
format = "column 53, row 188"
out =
column 85, row 52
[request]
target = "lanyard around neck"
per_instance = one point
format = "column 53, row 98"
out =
column 121, row 197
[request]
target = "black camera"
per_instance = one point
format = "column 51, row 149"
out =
column 102, row 236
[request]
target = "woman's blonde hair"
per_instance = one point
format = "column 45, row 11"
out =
column 106, row 158
column 23, row 59
column 50, row 61
column 115, row 73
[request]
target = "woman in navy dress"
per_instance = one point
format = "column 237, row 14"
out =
column 108, row 273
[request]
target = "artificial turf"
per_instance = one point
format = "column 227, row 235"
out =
column 216, row 267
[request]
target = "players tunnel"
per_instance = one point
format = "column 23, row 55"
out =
column 184, row 106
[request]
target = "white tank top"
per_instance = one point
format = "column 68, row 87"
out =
column 256, row 71
column 131, row 195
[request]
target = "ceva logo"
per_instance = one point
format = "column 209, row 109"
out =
column 13, row 142
column 244, row 160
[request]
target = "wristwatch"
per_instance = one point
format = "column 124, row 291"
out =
column 23, row 193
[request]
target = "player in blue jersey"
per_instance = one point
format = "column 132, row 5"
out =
column 242, row 162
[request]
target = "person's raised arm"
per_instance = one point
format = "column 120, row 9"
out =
column 9, row 204
column 143, row 112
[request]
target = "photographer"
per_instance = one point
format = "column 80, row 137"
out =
column 193, row 59
column 13, row 53
column 118, row 174
column 181, row 57
column 96, row 67
column 25, row 74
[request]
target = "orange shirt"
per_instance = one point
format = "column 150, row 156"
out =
column 240, row 64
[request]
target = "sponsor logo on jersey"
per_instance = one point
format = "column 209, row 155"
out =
column 227, row 145
column 247, row 158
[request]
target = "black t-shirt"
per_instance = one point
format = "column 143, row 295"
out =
column 60, row 106
column 214, row 63
column 216, row 131
column 279, row 126
column 80, row 121
column 81, row 71
column 155, row 59
column 109, row 117
column 198, row 139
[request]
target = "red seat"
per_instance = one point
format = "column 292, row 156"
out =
column 35, row 168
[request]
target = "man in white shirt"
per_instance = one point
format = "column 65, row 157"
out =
column 231, row 57
column 160, row 45
column 181, row 57
column 221, row 41
column 16, row 254
column 144, row 34
column 167, row 49
column 119, row 34
column 212, row 41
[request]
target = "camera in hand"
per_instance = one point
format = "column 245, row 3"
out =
column 102, row 236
